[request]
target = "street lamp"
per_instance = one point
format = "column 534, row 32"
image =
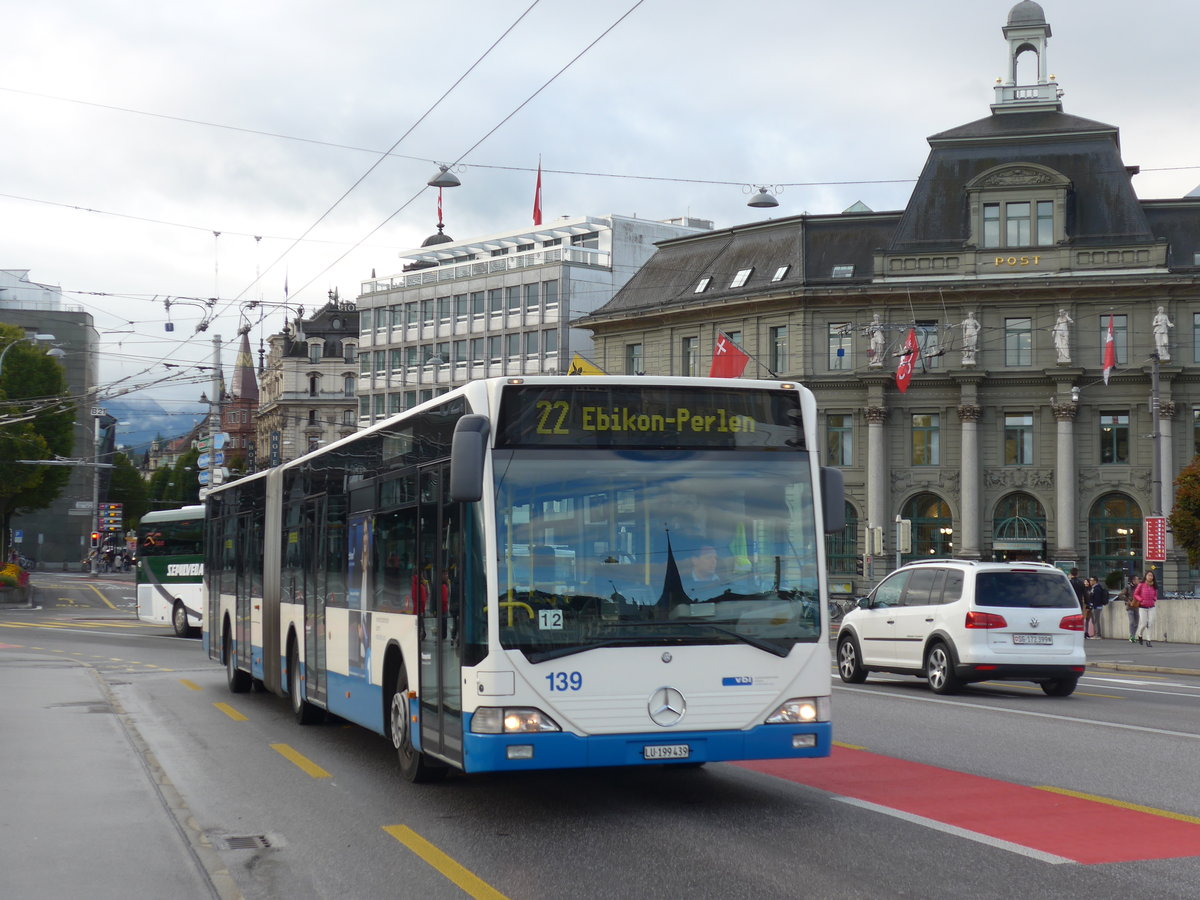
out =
column 55, row 352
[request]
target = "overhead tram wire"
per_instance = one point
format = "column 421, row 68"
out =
column 383, row 156
column 213, row 315
column 333, row 145
column 492, row 131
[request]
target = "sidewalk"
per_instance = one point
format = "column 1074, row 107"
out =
column 1119, row 655
column 85, row 809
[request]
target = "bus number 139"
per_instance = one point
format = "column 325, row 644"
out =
column 565, row 681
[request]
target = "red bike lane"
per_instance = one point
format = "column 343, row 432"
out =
column 1076, row 828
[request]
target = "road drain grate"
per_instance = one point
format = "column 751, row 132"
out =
column 241, row 842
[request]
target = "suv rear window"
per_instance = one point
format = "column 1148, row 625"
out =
column 1040, row 590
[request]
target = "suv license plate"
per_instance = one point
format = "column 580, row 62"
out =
column 1033, row 639
column 665, row 751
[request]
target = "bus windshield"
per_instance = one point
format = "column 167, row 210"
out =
column 601, row 548
column 174, row 537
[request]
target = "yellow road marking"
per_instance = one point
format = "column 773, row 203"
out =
column 1166, row 814
column 301, row 761
column 1033, row 687
column 100, row 594
column 471, row 884
column 846, row 746
column 190, row 685
column 230, row 711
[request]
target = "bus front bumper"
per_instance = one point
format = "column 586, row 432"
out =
column 559, row 750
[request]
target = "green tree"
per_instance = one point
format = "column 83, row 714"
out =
column 177, row 484
column 129, row 489
column 1185, row 511
column 36, row 422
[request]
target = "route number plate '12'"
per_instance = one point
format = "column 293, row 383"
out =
column 665, row 751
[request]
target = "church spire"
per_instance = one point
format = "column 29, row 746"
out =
column 1027, row 31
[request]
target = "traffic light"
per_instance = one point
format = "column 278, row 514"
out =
column 858, row 565
column 95, row 539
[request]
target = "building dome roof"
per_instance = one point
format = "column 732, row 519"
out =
column 439, row 238
column 1027, row 13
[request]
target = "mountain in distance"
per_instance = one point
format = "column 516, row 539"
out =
column 142, row 419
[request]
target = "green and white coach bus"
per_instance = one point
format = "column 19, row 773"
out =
column 170, row 568
column 544, row 572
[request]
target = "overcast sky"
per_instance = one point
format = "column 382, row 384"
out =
column 134, row 130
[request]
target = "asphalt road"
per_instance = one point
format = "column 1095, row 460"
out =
column 992, row 793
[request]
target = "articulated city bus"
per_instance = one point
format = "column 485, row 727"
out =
column 170, row 568
column 544, row 572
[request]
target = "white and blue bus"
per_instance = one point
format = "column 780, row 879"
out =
column 544, row 572
column 170, row 568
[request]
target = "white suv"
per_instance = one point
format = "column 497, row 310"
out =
column 955, row 621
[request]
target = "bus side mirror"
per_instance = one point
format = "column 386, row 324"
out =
column 833, row 499
column 466, row 458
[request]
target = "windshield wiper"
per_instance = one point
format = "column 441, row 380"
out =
column 758, row 643
column 537, row 656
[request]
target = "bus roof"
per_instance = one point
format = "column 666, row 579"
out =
column 174, row 515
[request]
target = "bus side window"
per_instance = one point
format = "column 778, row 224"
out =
column 395, row 563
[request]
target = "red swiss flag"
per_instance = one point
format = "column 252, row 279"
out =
column 728, row 360
column 908, row 360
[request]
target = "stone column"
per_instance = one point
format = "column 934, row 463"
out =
column 877, row 469
column 1065, row 482
column 1166, row 459
column 968, row 541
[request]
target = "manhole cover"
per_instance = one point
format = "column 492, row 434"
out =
column 241, row 842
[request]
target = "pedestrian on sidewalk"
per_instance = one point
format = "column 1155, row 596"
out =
column 1147, row 597
column 1097, row 599
column 1080, row 587
column 1131, row 605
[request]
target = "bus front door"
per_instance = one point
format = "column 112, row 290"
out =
column 439, row 540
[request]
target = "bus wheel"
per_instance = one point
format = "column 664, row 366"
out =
column 414, row 765
column 238, row 681
column 305, row 712
column 179, row 620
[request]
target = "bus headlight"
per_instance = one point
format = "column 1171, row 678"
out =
column 800, row 710
column 511, row 720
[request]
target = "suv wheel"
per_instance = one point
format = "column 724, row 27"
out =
column 1060, row 687
column 850, row 666
column 939, row 669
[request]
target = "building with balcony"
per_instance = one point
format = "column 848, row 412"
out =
column 957, row 347
column 307, row 391
column 504, row 304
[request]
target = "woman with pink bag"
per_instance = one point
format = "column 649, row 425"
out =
column 1146, row 595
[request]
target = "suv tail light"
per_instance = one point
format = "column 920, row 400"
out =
column 1072, row 623
column 985, row 620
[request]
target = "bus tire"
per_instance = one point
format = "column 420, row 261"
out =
column 305, row 712
column 179, row 620
column 415, row 766
column 238, row 681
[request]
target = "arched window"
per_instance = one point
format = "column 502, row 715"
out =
column 932, row 527
column 841, row 548
column 314, row 385
column 1019, row 529
column 1114, row 537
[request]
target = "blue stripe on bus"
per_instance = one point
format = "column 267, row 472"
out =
column 488, row 752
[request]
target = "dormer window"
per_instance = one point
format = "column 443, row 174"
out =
column 843, row 271
column 1022, row 223
column 740, row 279
column 1015, row 206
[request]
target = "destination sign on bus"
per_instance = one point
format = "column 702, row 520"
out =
column 654, row 416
